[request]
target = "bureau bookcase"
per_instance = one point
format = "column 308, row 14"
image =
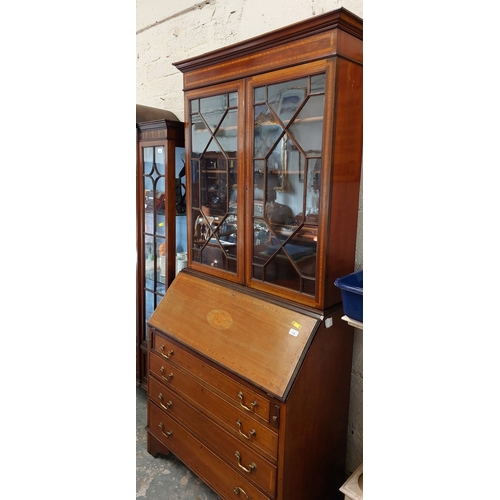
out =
column 249, row 360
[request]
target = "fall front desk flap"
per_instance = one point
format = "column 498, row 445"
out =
column 260, row 341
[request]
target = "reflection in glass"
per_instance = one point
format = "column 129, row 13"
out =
column 200, row 134
column 288, row 136
column 147, row 154
column 160, row 160
column 286, row 98
column 267, row 131
column 318, row 83
column 212, row 109
column 149, row 257
column 149, row 307
column 308, row 131
column 226, row 134
column 313, row 180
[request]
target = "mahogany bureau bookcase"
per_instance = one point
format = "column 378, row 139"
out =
column 249, row 360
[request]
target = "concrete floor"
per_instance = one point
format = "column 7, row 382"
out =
column 163, row 478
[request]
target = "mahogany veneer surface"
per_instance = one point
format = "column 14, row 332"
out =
column 261, row 341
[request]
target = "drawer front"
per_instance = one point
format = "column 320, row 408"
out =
column 240, row 395
column 246, row 428
column 228, row 483
column 244, row 459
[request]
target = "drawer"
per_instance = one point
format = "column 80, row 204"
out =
column 237, row 393
column 244, row 459
column 225, row 481
column 245, row 427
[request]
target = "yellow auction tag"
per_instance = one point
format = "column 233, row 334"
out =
column 296, row 325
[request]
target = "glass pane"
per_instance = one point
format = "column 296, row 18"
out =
column 148, row 184
column 148, row 195
column 260, row 94
column 160, row 159
column 288, row 196
column 261, row 236
column 200, row 135
column 214, row 192
column 313, row 187
column 160, row 225
column 233, row 99
column 226, row 135
column 213, row 108
column 195, row 183
column 307, row 128
column 288, row 134
column 267, row 131
column 214, row 184
column 212, row 256
column 209, row 159
column 161, row 255
column 308, row 286
column 275, row 177
column 180, row 203
column 149, row 301
column 227, row 231
column 258, row 182
column 149, row 261
column 233, row 186
column 286, row 98
column 277, row 268
column 160, row 202
column 149, row 223
column 160, row 289
column 317, row 83
column 200, row 233
column 302, row 251
column 160, row 183
column 147, row 156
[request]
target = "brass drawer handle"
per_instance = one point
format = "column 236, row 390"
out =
column 239, row 490
column 169, row 353
column 251, row 433
column 167, row 406
column 166, row 434
column 253, row 405
column 251, row 467
column 168, row 377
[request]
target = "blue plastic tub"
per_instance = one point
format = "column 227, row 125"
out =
column 351, row 287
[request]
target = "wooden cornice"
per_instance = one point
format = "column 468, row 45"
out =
column 341, row 19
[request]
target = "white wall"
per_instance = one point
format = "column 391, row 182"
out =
column 173, row 30
column 170, row 31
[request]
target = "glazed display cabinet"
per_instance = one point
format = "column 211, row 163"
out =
column 274, row 151
column 249, row 359
column 160, row 216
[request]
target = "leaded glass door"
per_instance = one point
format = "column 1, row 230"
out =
column 161, row 229
column 154, row 227
column 287, row 159
column 215, row 184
